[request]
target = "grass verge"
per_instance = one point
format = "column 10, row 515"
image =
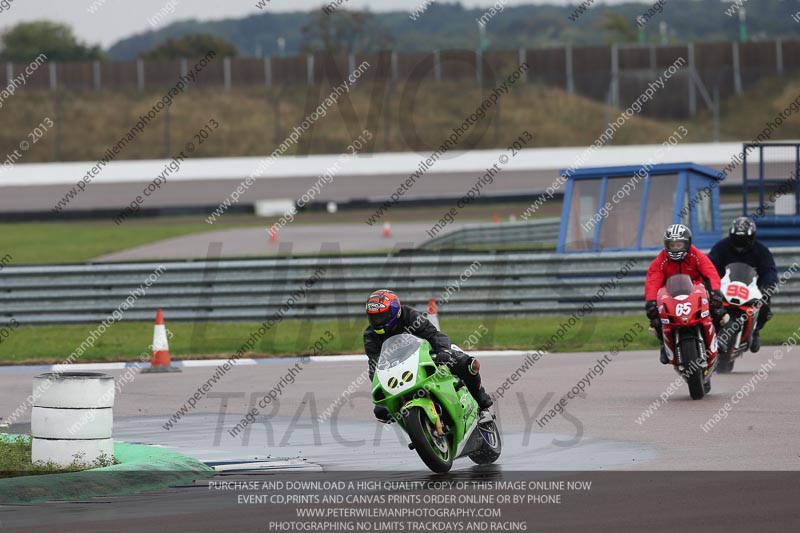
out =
column 15, row 460
column 129, row 341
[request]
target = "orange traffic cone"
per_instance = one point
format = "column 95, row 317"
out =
column 273, row 234
column 496, row 219
column 433, row 314
column 160, row 361
column 387, row 229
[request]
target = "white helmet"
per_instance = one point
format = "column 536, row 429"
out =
column 677, row 241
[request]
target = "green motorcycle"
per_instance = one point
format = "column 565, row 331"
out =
column 433, row 406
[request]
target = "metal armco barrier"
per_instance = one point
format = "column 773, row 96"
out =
column 535, row 232
column 477, row 284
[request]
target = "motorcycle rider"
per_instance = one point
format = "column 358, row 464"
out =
column 387, row 318
column 741, row 246
column 680, row 257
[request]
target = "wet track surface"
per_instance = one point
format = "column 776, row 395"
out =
column 599, row 432
column 356, row 445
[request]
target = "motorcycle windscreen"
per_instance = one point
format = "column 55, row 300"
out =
column 741, row 272
column 397, row 349
column 679, row 285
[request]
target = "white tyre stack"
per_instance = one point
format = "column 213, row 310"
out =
column 72, row 418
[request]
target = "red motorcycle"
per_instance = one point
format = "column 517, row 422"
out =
column 687, row 332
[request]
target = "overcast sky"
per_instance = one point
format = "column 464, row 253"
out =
column 116, row 19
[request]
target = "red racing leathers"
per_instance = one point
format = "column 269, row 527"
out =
column 700, row 268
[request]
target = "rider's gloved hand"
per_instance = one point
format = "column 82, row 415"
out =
column 445, row 357
column 382, row 414
column 766, row 295
column 651, row 308
column 716, row 303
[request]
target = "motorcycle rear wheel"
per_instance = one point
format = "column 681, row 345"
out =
column 435, row 452
column 725, row 365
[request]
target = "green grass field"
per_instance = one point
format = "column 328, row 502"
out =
column 129, row 341
column 78, row 242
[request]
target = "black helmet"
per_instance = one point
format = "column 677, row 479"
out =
column 677, row 241
column 742, row 234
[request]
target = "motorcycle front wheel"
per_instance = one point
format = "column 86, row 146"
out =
column 691, row 354
column 435, row 451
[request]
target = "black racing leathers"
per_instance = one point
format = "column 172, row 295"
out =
column 759, row 257
column 413, row 322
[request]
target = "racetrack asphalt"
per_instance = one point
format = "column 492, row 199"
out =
column 292, row 239
column 597, row 433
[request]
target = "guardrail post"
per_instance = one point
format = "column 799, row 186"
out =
column 522, row 57
column 479, row 67
column 9, row 72
column 779, row 57
column 268, row 71
column 437, row 66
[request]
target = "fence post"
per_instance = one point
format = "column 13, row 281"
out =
column 522, row 57
column 140, row 74
column 437, row 66
column 737, row 72
column 96, row 75
column 652, row 57
column 310, row 69
column 226, row 67
column 779, row 57
column 184, row 67
column 351, row 63
column 9, row 72
column 53, row 76
column 268, row 72
column 395, row 67
column 276, row 110
column 167, row 133
column 569, row 69
column 58, row 114
column 479, row 67
column 691, row 80
column 614, row 75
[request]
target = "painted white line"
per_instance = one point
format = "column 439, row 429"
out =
column 263, row 465
column 199, row 363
